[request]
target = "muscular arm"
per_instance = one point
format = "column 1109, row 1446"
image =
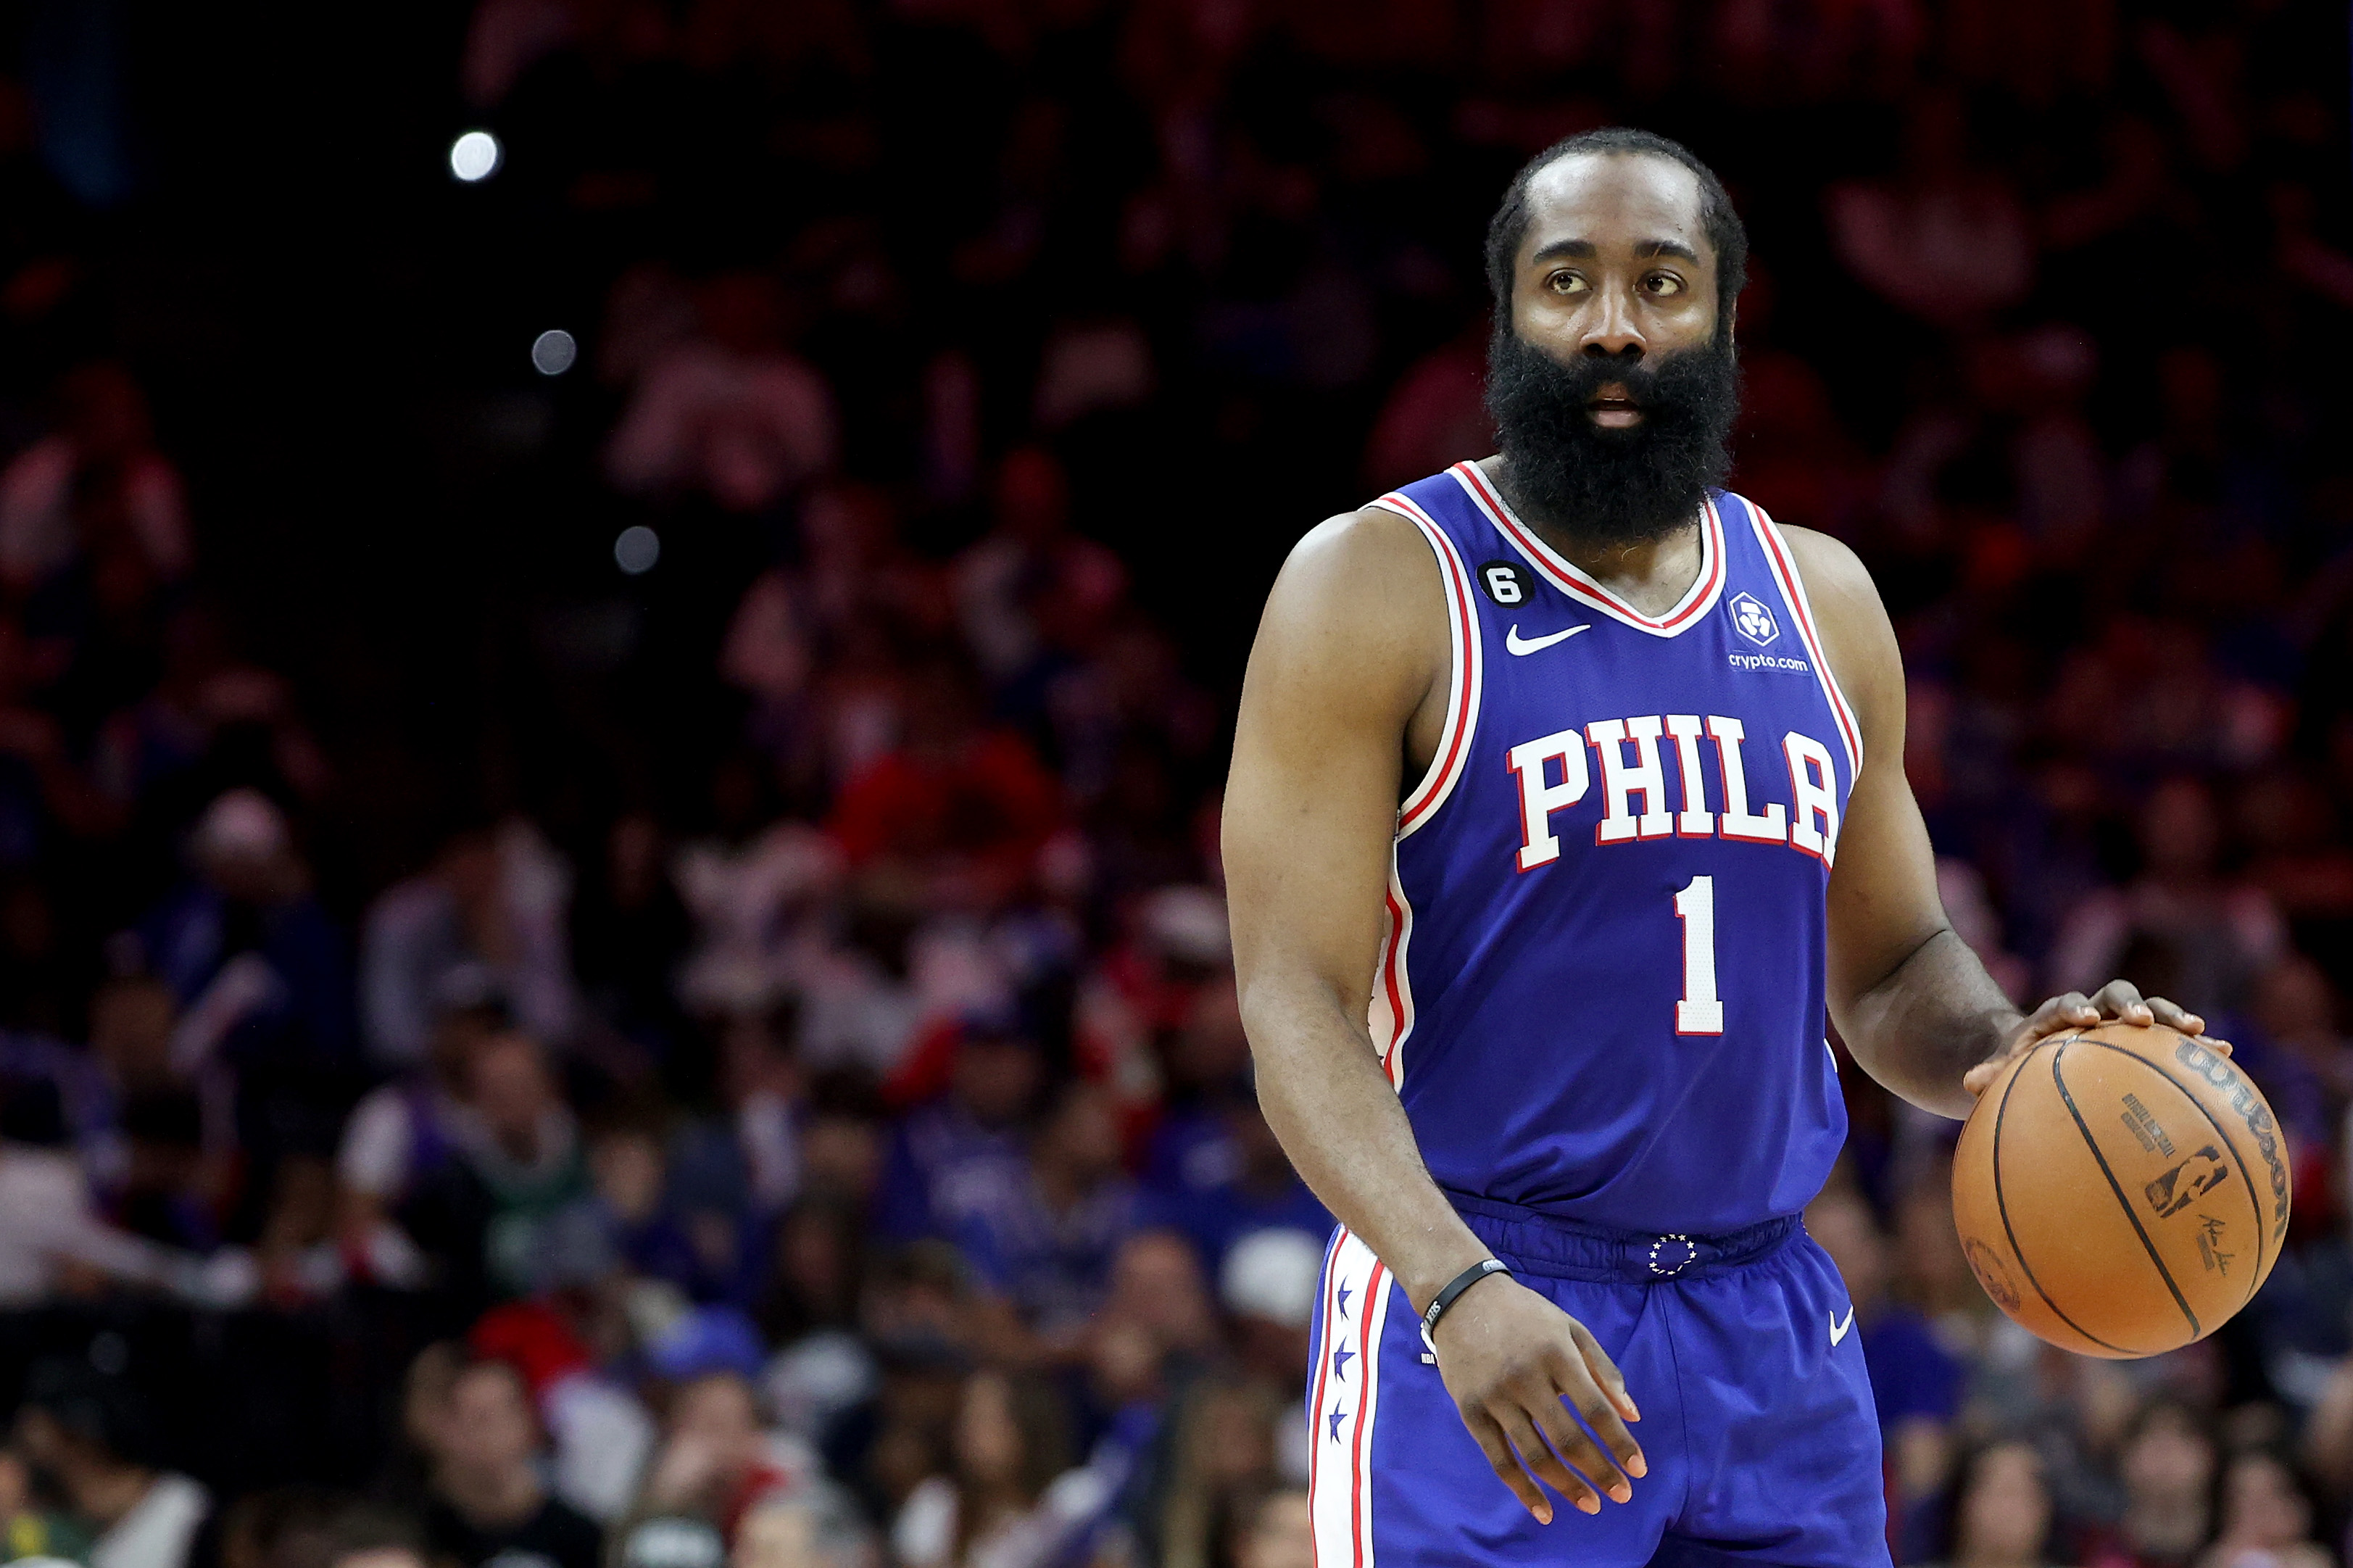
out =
column 1351, row 653
column 1909, row 997
column 1352, row 642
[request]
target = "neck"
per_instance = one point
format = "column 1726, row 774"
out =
column 107, row 1492
column 2173, row 1526
column 1651, row 575
column 1979, row 1558
column 491, row 1497
column 1058, row 1185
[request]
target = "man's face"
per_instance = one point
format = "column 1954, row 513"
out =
column 1615, row 262
column 1612, row 389
column 490, row 1423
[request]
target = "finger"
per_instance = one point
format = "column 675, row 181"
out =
column 1577, row 1449
column 2121, row 999
column 1609, row 1448
column 2174, row 1016
column 2219, row 1048
column 1506, row 1464
column 2073, row 1011
column 1547, row 1465
column 1605, row 1373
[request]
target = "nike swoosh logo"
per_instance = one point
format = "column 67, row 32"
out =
column 1515, row 643
column 1839, row 1330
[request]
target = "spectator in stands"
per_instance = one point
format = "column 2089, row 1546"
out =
column 1222, row 1457
column 95, row 489
column 715, row 1464
column 958, row 809
column 734, row 1172
column 729, row 413
column 489, row 1501
column 1009, row 1501
column 2001, row 1514
column 258, row 966
column 1276, row 1531
column 818, row 1532
column 495, row 898
column 958, row 1138
column 1031, row 568
column 2194, row 932
column 92, row 1435
column 2166, row 1466
column 488, row 1218
column 1041, row 1236
column 369, row 1536
column 53, row 1242
column 402, row 1134
column 1915, row 1380
column 2264, row 1517
column 31, row 1528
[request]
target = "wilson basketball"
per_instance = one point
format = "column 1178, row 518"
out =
column 2121, row 1191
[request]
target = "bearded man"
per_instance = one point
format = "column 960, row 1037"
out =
column 1568, row 799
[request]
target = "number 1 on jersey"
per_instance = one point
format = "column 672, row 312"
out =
column 1699, row 1011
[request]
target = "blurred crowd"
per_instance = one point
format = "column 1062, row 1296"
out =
column 815, row 1130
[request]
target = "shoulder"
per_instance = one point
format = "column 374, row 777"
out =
column 1858, row 639
column 1368, row 550
column 1354, row 630
column 1835, row 579
column 1359, row 581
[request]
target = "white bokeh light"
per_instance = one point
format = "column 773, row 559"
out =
column 475, row 156
column 637, row 550
column 553, row 352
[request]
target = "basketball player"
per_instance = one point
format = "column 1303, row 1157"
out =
column 1567, row 797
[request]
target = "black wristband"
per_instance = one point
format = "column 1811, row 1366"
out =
column 1456, row 1285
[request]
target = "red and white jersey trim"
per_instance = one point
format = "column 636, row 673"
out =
column 1565, row 575
column 1347, row 1403
column 1793, row 592
column 1390, row 1019
column 1464, row 680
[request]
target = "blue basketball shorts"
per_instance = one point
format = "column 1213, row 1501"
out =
column 1739, row 1349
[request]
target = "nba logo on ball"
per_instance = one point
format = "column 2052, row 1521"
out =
column 1752, row 620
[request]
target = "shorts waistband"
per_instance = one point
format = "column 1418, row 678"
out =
column 1571, row 1249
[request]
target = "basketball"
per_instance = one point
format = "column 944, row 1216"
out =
column 2121, row 1191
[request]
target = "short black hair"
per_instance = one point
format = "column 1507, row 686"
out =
column 104, row 1410
column 1726, row 233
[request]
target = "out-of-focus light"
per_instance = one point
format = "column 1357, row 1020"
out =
column 552, row 352
column 637, row 550
column 475, row 156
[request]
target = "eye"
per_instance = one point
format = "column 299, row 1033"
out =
column 1564, row 282
column 1663, row 283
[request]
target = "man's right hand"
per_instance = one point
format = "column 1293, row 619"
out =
column 1510, row 1358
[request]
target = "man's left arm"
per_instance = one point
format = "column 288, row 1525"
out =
column 1909, row 997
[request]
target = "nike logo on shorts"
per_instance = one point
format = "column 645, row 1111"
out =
column 1515, row 643
column 1839, row 1330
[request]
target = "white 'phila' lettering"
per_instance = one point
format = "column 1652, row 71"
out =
column 1772, row 827
column 1551, row 776
column 1813, row 787
column 1538, row 800
column 1696, row 822
column 1621, row 781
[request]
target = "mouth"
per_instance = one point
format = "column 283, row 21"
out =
column 1613, row 407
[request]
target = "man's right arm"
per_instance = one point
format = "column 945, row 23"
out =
column 1352, row 646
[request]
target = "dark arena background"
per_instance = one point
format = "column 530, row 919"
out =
column 619, row 624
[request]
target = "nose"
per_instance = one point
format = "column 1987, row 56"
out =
column 1610, row 329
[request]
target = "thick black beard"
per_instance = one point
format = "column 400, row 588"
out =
column 1612, row 488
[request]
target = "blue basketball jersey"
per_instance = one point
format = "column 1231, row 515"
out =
column 1601, row 992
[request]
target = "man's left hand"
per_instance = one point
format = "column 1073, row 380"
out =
column 2119, row 1001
